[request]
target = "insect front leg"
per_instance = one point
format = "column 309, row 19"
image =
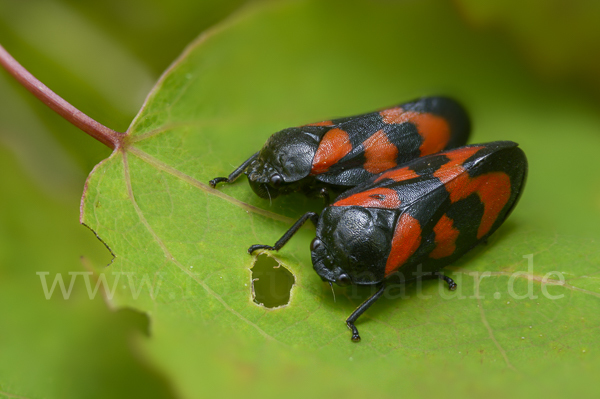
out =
column 360, row 310
column 235, row 174
column 288, row 234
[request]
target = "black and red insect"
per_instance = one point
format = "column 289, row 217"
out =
column 411, row 221
column 341, row 153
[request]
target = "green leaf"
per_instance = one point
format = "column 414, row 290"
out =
column 282, row 64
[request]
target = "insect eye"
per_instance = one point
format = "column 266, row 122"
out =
column 316, row 243
column 343, row 280
column 276, row 180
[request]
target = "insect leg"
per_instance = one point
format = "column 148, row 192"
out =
column 451, row 284
column 324, row 193
column 360, row 310
column 235, row 174
column 288, row 234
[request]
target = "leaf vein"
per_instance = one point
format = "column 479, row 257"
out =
column 489, row 328
column 204, row 187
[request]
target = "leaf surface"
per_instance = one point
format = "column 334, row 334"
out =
column 277, row 65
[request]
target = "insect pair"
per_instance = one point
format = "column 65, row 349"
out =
column 415, row 201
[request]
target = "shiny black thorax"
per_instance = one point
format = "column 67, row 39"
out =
column 288, row 153
column 356, row 241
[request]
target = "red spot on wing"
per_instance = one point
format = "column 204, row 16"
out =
column 323, row 123
column 394, row 115
column 493, row 188
column 375, row 198
column 334, row 146
column 434, row 130
column 380, row 153
column 398, row 175
column 406, row 240
column 445, row 238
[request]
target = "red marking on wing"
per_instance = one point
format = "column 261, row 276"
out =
column 494, row 192
column 323, row 123
column 398, row 175
column 493, row 188
column 458, row 156
column 406, row 240
column 375, row 198
column 435, row 132
column 445, row 238
column 434, row 129
column 380, row 153
column 394, row 115
column 333, row 147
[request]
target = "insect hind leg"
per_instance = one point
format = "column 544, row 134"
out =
column 451, row 284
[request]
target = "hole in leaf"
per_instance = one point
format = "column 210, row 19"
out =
column 134, row 319
column 271, row 282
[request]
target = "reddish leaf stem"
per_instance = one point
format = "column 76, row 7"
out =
column 98, row 131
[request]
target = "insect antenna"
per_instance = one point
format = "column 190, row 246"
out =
column 331, row 285
column 269, row 194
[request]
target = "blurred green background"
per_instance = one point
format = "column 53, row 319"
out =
column 104, row 57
